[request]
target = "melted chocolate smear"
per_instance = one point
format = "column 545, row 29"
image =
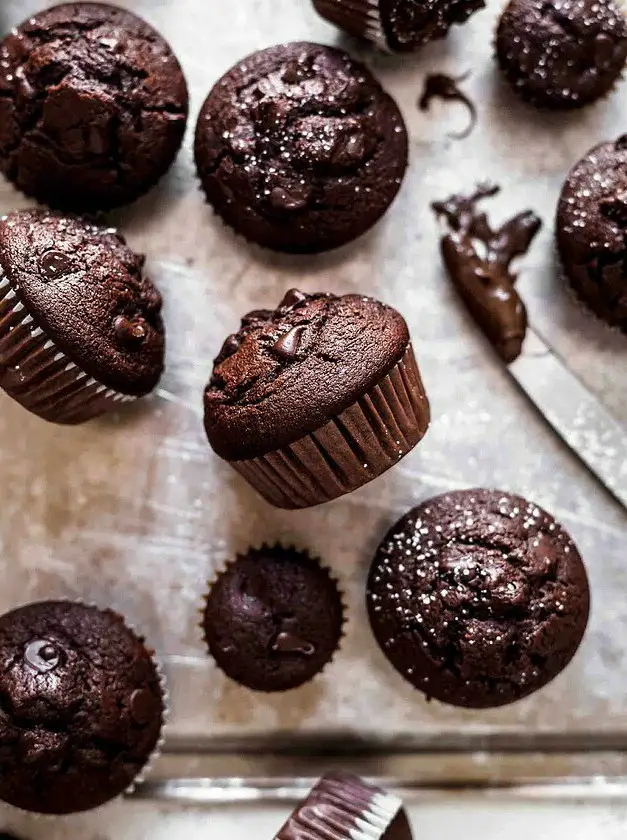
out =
column 483, row 276
column 289, row 643
column 440, row 86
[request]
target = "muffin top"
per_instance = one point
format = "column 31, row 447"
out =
column 288, row 371
column 562, row 53
column 299, row 149
column 86, row 289
column 408, row 24
column 478, row 598
column 82, row 707
column 93, row 106
column 592, row 212
column 344, row 807
column 273, row 619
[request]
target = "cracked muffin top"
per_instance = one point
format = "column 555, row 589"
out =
column 299, row 149
column 93, row 106
column 562, row 53
column 286, row 372
column 478, row 598
column 81, row 707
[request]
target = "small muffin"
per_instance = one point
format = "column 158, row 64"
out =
column 591, row 231
column 345, row 807
column 316, row 398
column 397, row 25
column 93, row 106
column 273, row 619
column 299, row 149
column 562, row 53
column 82, row 707
column 478, row 598
column 80, row 324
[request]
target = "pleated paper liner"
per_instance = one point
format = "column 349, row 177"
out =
column 360, row 18
column 357, row 446
column 39, row 376
column 225, row 565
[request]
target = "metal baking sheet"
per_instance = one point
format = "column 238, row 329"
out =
column 135, row 511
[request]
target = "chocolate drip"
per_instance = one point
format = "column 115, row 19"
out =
column 483, row 278
column 440, row 86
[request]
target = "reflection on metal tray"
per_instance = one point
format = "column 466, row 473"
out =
column 135, row 512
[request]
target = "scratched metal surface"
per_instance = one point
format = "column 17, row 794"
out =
column 136, row 512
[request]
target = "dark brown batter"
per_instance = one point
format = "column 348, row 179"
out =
column 483, row 277
column 441, row 86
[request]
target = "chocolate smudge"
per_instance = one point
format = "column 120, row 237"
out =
column 483, row 276
column 441, row 86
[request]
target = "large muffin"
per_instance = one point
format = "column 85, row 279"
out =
column 82, row 707
column 397, row 25
column 93, row 106
column 316, row 398
column 299, row 149
column 478, row 598
column 80, row 323
column 592, row 231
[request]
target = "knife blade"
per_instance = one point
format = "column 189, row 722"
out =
column 577, row 416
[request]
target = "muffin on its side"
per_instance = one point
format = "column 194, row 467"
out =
column 93, row 106
column 478, row 598
column 299, row 149
column 82, row 708
column 273, row 618
column 562, row 53
column 397, row 25
column 592, row 231
column 316, row 398
column 80, row 324
column 345, row 807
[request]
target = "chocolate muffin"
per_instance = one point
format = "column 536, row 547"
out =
column 80, row 324
column 344, row 807
column 592, row 231
column 273, row 619
column 562, row 53
column 299, row 149
column 397, row 25
column 82, row 707
column 316, row 398
column 478, row 598
column 93, row 106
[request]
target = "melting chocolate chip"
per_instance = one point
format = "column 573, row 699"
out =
column 292, row 73
column 130, row 333
column 287, row 345
column 486, row 283
column 230, row 346
column 441, row 86
column 604, row 47
column 42, row 655
column 290, row 197
column 289, row 643
column 292, row 298
column 142, row 706
column 54, row 264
